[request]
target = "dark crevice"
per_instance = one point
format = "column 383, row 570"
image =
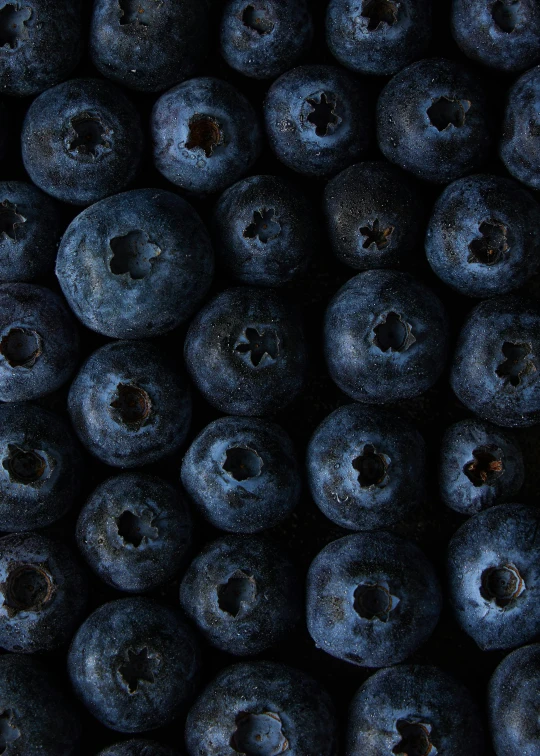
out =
column 25, row 466
column 9, row 733
column 371, row 467
column 240, row 589
column 485, row 467
column 505, row 13
column 263, row 226
column 259, row 735
column 489, row 249
column 373, row 602
column 10, row 220
column 242, row 463
column 393, row 334
column 258, row 344
column 380, row 12
column 89, row 136
column 517, row 363
column 133, row 254
column 133, row 529
column 27, row 588
column 323, row 115
column 204, row 134
column 138, row 667
column 21, row 348
column 415, row 739
column 13, row 24
column 132, row 403
column 133, row 12
column 257, row 20
column 446, row 112
column 374, row 234
column 502, row 584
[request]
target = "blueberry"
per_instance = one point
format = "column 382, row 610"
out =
column 265, row 231
column 262, row 39
column 317, row 119
column 262, row 709
column 138, row 747
column 43, row 594
column 148, row 47
column 30, row 229
column 40, row 467
column 242, row 474
column 129, row 406
column 374, row 215
column 479, row 466
column 416, row 710
column 378, row 36
column 134, row 664
column 366, row 467
column 135, row 265
column 494, row 576
column 513, row 703
column 40, row 44
column 482, row 236
column 501, row 34
column 35, row 718
column 39, row 342
column 497, row 359
column 432, row 120
column 82, row 141
column 206, row 135
column 246, row 353
column 372, row 599
column 385, row 337
column 519, row 148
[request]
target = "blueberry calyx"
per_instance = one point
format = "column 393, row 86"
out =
column 132, row 404
column 134, row 529
column 447, row 112
column 415, row 739
column 322, row 114
column 502, row 584
column 138, row 667
column 10, row 220
column 371, row 466
column 9, row 733
column 205, row 134
column 13, row 25
column 262, row 346
column 21, row 347
column 28, row 588
column 374, row 234
column 259, row 734
column 393, row 334
column 489, row 248
column 133, row 254
column 517, row 363
column 506, row 14
column 27, row 466
column 380, row 13
column 87, row 136
column 485, row 467
column 132, row 12
column 264, row 226
column 374, row 601
column 238, row 592
column 257, row 20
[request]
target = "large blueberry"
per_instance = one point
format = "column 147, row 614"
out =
column 519, row 148
column 138, row 747
column 82, row 141
column 129, row 405
column 385, row 337
column 135, row 265
column 246, row 353
column 134, row 664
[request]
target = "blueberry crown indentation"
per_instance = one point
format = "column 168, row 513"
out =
column 264, row 226
column 257, row 20
column 242, row 463
column 25, row 466
column 204, row 133
column 374, row 233
column 393, row 334
column 9, row 733
column 27, row 588
column 21, row 348
column 485, row 467
column 138, row 667
column 13, row 24
column 379, row 12
column 10, row 220
column 239, row 590
column 132, row 12
column 259, row 734
column 415, row 739
column 133, row 254
column 506, row 14
column 373, row 601
column 371, row 467
column 448, row 112
column 89, row 135
column 134, row 529
column 132, row 404
column 516, row 364
column 490, row 247
column 258, row 344
column 502, row 584
column 323, row 116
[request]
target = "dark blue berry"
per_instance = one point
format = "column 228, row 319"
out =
column 138, row 747
column 519, row 148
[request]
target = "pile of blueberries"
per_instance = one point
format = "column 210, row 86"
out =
column 269, row 377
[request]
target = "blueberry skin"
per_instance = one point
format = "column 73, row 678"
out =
column 496, row 362
column 366, row 468
column 262, row 708
column 81, row 141
column 415, row 706
column 138, row 747
column 493, row 567
column 42, row 42
column 374, row 216
column 479, row 466
column 150, row 50
column 519, row 148
column 134, row 664
column 129, row 406
column 135, row 265
column 265, row 38
column 242, row 474
column 41, row 467
column 30, row 230
column 40, row 720
column 379, row 43
column 432, row 120
column 385, row 337
column 500, row 35
column 513, row 703
column 372, row 599
column 265, row 231
column 245, row 352
column 39, row 342
column 43, row 593
column 339, row 131
column 206, row 135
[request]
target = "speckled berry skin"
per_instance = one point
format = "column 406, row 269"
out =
column 497, row 359
column 206, row 135
column 43, row 592
column 266, row 707
column 40, row 719
column 81, row 141
column 265, row 231
column 513, row 701
column 39, row 342
column 135, row 265
column 363, row 42
column 366, row 468
column 134, row 664
column 480, row 466
column 41, row 467
column 138, row 747
column 427, row 142
column 391, row 702
column 129, row 405
column 150, row 50
column 134, row 532
column 322, row 137
column 245, row 352
column 519, row 148
column 372, row 599
column 493, row 570
column 242, row 474
column 42, row 43
column 243, row 594
column 385, row 337
column 374, row 216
